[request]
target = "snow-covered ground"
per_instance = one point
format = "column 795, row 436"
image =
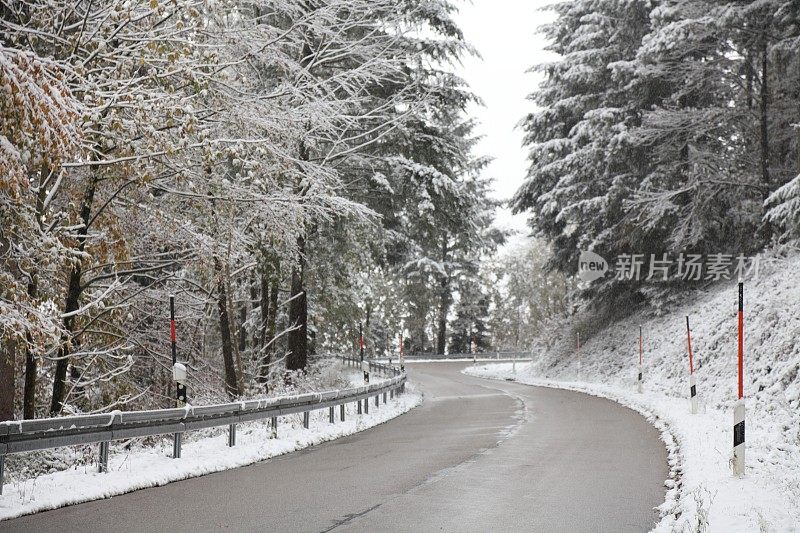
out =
column 703, row 493
column 153, row 466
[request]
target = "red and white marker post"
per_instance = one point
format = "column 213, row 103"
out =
column 641, row 361
column 364, row 364
column 179, row 375
column 738, row 410
column 692, row 382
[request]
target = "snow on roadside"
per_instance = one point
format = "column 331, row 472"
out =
column 153, row 467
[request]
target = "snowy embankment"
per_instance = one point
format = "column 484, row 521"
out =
column 702, row 492
column 153, row 466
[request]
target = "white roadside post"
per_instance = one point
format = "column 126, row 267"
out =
column 738, row 410
column 178, row 375
column 641, row 361
column 692, row 382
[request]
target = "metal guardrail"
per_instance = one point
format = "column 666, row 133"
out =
column 519, row 356
column 30, row 435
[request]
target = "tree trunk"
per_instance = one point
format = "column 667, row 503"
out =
column 254, row 298
column 765, row 177
column 270, row 277
column 231, row 378
column 71, row 304
column 8, row 355
column 242, row 329
column 444, row 305
column 29, row 394
column 298, row 314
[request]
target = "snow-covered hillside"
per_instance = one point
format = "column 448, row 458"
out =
column 704, row 491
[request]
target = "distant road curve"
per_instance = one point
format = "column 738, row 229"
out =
column 477, row 455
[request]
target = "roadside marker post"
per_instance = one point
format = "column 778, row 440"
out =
column 641, row 361
column 179, row 375
column 692, row 382
column 738, row 410
column 364, row 364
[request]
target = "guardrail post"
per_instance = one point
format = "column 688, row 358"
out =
column 366, row 406
column 377, row 400
column 273, row 425
column 331, row 418
column 391, row 394
column 341, row 412
column 103, row 463
column 231, row 435
column 384, row 397
column 2, row 470
column 306, row 416
column 358, row 410
column 177, row 440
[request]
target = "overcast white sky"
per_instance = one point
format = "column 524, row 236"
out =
column 504, row 32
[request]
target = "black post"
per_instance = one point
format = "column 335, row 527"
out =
column 341, row 412
column 2, row 469
column 176, row 445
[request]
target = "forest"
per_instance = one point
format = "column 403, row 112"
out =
column 291, row 171
column 299, row 173
column 664, row 127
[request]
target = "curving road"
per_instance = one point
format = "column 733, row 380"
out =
column 477, row 455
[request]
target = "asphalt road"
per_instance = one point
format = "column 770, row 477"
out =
column 477, row 455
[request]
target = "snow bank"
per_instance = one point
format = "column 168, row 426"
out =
column 153, row 467
column 703, row 493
